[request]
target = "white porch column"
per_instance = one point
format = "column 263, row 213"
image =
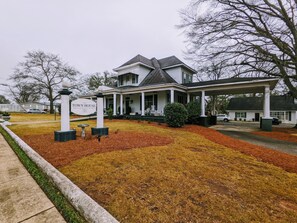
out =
column 188, row 98
column 104, row 102
column 121, row 104
column 65, row 120
column 100, row 117
column 114, row 104
column 266, row 106
column 202, row 103
column 171, row 95
column 142, row 103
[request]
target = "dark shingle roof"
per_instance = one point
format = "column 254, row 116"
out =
column 162, row 63
column 277, row 103
column 225, row 81
column 138, row 59
column 170, row 61
column 173, row 61
column 157, row 76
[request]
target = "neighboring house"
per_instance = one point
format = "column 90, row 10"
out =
column 251, row 108
column 24, row 107
column 145, row 86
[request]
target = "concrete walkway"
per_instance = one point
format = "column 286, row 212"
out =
column 21, row 199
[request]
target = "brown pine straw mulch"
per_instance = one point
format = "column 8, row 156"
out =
column 284, row 134
column 283, row 160
column 62, row 153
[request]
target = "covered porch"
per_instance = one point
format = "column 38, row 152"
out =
column 144, row 101
column 151, row 100
column 233, row 86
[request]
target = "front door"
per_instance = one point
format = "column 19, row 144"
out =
column 257, row 117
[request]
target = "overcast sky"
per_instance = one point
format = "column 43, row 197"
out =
column 91, row 35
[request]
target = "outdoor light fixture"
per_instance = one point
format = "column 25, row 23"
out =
column 65, row 85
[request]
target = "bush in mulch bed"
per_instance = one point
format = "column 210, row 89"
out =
column 285, row 161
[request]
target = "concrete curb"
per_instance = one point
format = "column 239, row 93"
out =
column 84, row 204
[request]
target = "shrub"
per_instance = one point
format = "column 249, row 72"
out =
column 194, row 111
column 175, row 114
column 6, row 114
column 109, row 113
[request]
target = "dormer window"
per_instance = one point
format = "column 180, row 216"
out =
column 187, row 78
column 134, row 79
column 127, row 79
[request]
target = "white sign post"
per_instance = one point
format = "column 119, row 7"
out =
column 65, row 134
column 100, row 129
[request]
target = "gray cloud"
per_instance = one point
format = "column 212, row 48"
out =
column 92, row 35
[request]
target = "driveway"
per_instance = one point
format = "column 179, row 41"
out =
column 242, row 131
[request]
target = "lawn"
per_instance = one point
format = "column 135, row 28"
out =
column 152, row 173
column 23, row 117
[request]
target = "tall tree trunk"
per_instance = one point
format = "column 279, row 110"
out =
column 51, row 101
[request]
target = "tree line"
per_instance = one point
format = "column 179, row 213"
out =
column 41, row 74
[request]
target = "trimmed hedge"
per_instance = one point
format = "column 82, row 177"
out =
column 175, row 114
column 159, row 119
column 194, row 111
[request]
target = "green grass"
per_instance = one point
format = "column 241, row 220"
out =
column 62, row 204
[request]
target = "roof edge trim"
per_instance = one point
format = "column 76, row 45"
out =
column 132, row 65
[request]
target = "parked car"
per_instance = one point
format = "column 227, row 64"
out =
column 276, row 121
column 36, row 111
column 223, row 117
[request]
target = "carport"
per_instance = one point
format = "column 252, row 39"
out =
column 231, row 86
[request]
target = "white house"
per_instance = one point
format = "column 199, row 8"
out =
column 251, row 108
column 145, row 86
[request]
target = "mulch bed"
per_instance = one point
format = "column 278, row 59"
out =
column 284, row 134
column 62, row 153
column 285, row 161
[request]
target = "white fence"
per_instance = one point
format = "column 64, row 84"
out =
column 23, row 108
column 10, row 108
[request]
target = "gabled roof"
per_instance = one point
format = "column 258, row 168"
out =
column 164, row 63
column 170, row 61
column 157, row 76
column 137, row 59
column 277, row 103
column 173, row 61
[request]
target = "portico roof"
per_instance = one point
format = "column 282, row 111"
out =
column 232, row 85
column 214, row 87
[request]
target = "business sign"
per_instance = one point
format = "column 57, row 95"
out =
column 83, row 107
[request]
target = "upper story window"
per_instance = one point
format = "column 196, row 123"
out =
column 187, row 78
column 127, row 79
column 134, row 79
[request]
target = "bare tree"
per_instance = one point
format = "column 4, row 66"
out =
column 4, row 100
column 99, row 79
column 41, row 75
column 250, row 37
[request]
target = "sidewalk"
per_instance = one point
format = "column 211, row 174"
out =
column 21, row 199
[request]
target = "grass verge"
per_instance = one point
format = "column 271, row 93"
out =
column 61, row 203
